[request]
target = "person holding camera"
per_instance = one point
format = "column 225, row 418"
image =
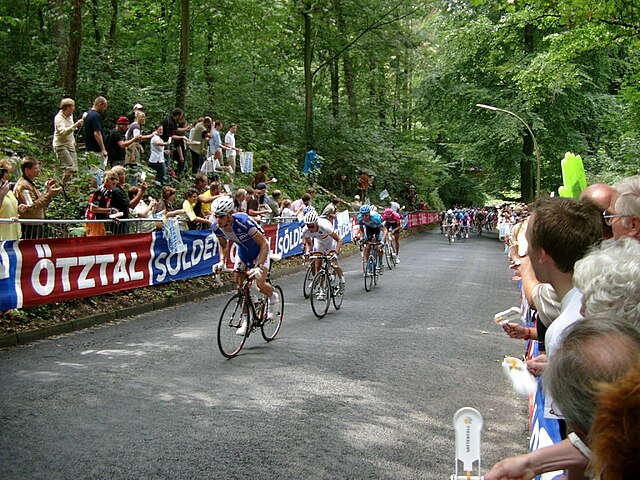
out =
column 31, row 202
column 8, row 204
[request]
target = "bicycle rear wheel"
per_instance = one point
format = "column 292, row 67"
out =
column 229, row 343
column 370, row 271
column 320, row 294
column 308, row 278
column 270, row 328
column 336, row 294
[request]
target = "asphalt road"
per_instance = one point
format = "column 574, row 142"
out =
column 367, row 392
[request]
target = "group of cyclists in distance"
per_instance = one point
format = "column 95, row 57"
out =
column 458, row 222
column 323, row 245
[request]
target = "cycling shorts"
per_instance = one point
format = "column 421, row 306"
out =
column 391, row 226
column 249, row 262
column 371, row 232
column 323, row 245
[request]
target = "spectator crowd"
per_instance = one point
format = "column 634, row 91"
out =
column 129, row 162
column 578, row 265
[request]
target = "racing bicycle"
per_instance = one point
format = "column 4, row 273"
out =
column 325, row 288
column 241, row 306
column 369, row 265
column 390, row 253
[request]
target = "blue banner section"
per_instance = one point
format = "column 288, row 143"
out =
column 9, row 260
column 201, row 255
column 288, row 240
column 289, row 236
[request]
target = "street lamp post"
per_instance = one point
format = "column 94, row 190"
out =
column 535, row 143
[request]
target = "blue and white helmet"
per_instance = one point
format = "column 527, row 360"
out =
column 365, row 209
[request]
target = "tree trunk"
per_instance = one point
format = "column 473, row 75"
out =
column 349, row 82
column 208, row 76
column 526, row 169
column 308, row 77
column 181, row 86
column 349, row 75
column 73, row 54
column 113, row 25
column 60, row 36
column 335, row 88
column 94, row 19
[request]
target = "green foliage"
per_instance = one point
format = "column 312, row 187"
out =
column 403, row 107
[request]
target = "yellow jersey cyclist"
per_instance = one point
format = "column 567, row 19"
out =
column 319, row 237
column 253, row 250
column 371, row 225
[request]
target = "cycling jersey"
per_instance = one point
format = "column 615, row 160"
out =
column 375, row 220
column 242, row 229
column 392, row 219
column 325, row 229
column 372, row 227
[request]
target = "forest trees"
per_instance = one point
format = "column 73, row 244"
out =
column 388, row 88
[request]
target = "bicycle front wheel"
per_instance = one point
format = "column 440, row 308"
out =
column 229, row 342
column 370, row 271
column 320, row 294
column 270, row 328
column 388, row 255
column 336, row 294
column 306, row 286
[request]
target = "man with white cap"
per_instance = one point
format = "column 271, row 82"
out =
column 356, row 204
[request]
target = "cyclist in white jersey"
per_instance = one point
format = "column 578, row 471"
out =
column 325, row 241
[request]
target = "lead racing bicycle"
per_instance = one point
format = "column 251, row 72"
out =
column 244, row 306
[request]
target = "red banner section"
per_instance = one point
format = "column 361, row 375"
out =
column 416, row 219
column 53, row 270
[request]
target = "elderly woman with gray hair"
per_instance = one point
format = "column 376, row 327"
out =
column 609, row 279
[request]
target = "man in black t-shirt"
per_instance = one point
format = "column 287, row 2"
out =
column 93, row 129
column 170, row 130
column 116, row 144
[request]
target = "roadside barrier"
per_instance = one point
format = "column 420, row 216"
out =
column 45, row 270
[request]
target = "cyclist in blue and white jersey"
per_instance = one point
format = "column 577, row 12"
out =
column 253, row 249
column 371, row 225
column 319, row 237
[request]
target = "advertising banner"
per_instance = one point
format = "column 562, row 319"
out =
column 35, row 272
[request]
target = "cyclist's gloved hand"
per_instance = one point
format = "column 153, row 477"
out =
column 255, row 273
column 335, row 256
column 306, row 255
column 218, row 267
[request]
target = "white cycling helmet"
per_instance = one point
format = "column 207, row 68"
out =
column 364, row 209
column 224, row 206
column 311, row 217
